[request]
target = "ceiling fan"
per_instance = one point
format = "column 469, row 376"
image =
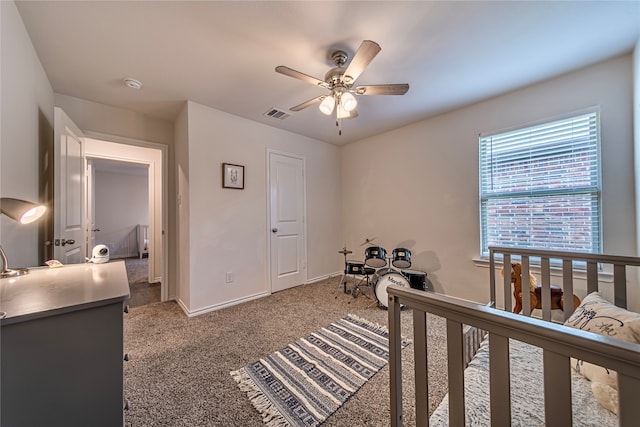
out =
column 339, row 81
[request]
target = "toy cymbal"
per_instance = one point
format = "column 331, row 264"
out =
column 367, row 241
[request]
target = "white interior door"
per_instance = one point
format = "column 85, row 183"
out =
column 287, row 206
column 69, row 208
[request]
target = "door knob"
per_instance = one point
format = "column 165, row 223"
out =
column 67, row 242
column 95, row 229
column 274, row 230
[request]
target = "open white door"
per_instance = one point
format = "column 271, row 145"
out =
column 69, row 209
column 287, row 205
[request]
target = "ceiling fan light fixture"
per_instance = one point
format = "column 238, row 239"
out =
column 341, row 113
column 339, row 81
column 348, row 101
column 327, row 105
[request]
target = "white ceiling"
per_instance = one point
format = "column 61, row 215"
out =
column 223, row 54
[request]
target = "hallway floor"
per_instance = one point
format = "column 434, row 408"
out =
column 142, row 292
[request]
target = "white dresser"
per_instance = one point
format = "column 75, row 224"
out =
column 61, row 346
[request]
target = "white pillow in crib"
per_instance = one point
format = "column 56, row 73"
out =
column 598, row 315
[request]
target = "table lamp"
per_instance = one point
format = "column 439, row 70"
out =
column 22, row 212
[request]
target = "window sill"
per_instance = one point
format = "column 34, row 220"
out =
column 604, row 275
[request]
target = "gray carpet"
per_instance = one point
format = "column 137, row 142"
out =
column 142, row 292
column 178, row 374
column 137, row 269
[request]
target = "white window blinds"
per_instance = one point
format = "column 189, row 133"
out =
column 540, row 186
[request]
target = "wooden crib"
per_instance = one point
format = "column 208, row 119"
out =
column 508, row 334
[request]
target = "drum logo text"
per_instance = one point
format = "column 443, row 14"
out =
column 395, row 281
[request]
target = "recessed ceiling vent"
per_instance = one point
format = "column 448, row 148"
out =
column 276, row 114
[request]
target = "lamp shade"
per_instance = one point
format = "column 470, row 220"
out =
column 327, row 105
column 20, row 210
column 348, row 101
column 341, row 113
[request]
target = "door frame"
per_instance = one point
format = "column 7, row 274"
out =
column 305, row 261
column 164, row 220
column 90, row 182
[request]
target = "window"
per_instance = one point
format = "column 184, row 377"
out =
column 540, row 186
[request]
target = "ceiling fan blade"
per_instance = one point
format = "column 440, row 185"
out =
column 308, row 103
column 301, row 76
column 393, row 89
column 364, row 55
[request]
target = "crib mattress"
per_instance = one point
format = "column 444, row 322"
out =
column 527, row 392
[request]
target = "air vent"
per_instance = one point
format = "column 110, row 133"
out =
column 276, row 114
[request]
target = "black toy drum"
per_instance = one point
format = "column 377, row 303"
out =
column 401, row 258
column 417, row 279
column 375, row 256
column 357, row 267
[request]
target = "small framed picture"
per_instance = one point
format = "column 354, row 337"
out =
column 232, row 176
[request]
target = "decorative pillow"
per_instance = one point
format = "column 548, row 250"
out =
column 598, row 315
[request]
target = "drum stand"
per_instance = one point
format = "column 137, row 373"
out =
column 356, row 287
column 343, row 281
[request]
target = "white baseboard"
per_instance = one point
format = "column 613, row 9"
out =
column 243, row 299
column 326, row 276
column 221, row 305
column 182, row 306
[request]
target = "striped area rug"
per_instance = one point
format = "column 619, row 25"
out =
column 307, row 381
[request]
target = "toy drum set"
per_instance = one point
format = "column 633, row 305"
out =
column 380, row 271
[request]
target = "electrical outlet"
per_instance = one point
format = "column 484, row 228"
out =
column 229, row 277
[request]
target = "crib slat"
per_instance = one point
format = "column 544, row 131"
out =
column 506, row 282
column 395, row 362
column 628, row 408
column 499, row 380
column 592, row 276
column 526, row 284
column 455, row 355
column 492, row 278
column 421, row 368
column 545, row 273
column 620, row 285
column 567, row 287
column 557, row 389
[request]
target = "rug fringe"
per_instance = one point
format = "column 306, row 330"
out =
column 270, row 414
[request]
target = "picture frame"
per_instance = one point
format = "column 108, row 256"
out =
column 233, row 176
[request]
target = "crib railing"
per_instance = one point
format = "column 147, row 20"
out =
column 568, row 263
column 558, row 342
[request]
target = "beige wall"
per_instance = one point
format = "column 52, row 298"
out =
column 121, row 203
column 100, row 118
column 227, row 229
column 418, row 186
column 181, row 172
column 26, row 133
